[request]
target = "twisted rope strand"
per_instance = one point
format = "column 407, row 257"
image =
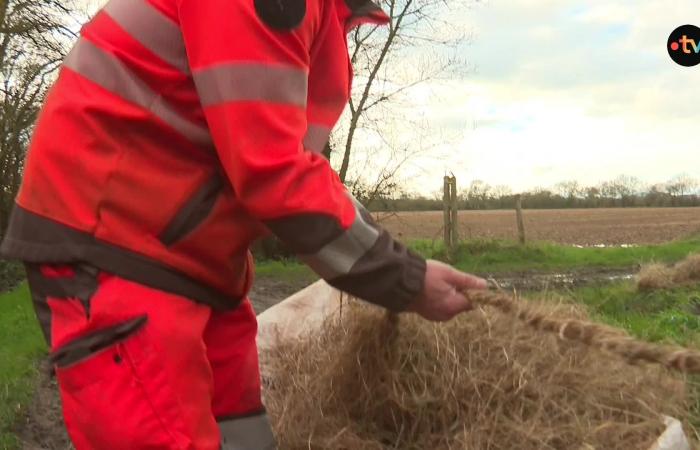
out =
column 595, row 335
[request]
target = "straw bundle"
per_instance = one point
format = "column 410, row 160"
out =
column 367, row 380
column 658, row 276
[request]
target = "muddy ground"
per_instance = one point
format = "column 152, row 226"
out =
column 537, row 281
column 42, row 427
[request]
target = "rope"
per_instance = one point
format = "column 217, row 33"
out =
column 596, row 335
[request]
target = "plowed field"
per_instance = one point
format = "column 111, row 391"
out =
column 566, row 226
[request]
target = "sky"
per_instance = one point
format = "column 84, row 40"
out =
column 563, row 90
column 557, row 90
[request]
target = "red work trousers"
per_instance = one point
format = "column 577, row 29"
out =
column 140, row 368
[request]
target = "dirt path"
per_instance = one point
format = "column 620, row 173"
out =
column 42, row 427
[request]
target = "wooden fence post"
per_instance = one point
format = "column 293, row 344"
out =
column 519, row 218
column 449, row 201
column 453, row 219
column 446, row 213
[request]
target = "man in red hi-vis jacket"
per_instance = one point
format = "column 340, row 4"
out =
column 179, row 131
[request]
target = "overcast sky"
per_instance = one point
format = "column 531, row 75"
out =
column 569, row 90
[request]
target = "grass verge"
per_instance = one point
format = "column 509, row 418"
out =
column 491, row 256
column 495, row 256
column 284, row 270
column 670, row 315
column 21, row 345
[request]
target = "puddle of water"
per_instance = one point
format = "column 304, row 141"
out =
column 606, row 246
column 559, row 280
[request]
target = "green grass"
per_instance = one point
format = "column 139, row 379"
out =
column 484, row 256
column 285, row 270
column 493, row 257
column 21, row 345
column 669, row 315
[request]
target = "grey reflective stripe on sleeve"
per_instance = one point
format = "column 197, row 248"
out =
column 339, row 256
column 109, row 72
column 247, row 433
column 252, row 82
column 316, row 137
column 152, row 29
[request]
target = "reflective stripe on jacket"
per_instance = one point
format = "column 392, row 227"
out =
column 179, row 131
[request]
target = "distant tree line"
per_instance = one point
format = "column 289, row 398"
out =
column 624, row 191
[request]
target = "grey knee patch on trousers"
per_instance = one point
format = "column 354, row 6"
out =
column 247, row 433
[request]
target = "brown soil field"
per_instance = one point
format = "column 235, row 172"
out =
column 609, row 226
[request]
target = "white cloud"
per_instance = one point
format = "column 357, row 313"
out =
column 570, row 90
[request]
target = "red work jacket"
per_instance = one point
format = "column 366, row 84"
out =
column 179, row 131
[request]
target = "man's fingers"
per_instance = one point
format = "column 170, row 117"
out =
column 444, row 290
column 464, row 281
column 459, row 303
column 474, row 282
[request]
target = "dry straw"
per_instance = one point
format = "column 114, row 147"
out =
column 606, row 338
column 655, row 276
column 688, row 270
column 486, row 380
column 658, row 276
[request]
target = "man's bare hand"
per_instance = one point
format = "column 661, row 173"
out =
column 442, row 298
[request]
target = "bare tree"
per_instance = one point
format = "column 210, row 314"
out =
column 681, row 185
column 500, row 192
column 625, row 187
column 477, row 194
column 384, row 186
column 592, row 194
column 569, row 189
column 33, row 39
column 678, row 186
column 380, row 57
column 608, row 189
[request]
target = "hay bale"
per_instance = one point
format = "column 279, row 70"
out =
column 655, row 276
column 371, row 381
column 687, row 271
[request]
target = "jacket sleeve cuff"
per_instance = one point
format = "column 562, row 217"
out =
column 411, row 287
column 388, row 275
column 362, row 260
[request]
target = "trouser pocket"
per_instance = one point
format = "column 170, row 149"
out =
column 115, row 392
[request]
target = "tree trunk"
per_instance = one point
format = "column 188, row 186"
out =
column 356, row 113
